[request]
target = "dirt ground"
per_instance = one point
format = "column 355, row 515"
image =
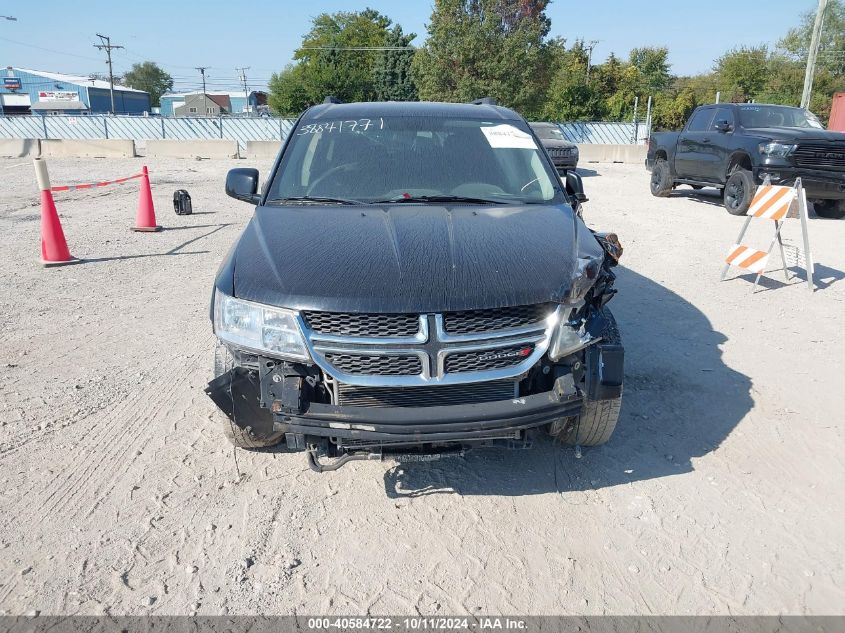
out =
column 721, row 492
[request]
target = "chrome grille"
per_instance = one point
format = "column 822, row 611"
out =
column 352, row 324
column 452, row 348
column 560, row 152
column 820, row 156
column 487, row 359
column 376, row 365
column 474, row 321
column 444, row 395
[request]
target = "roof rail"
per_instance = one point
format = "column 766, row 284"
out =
column 485, row 101
column 331, row 99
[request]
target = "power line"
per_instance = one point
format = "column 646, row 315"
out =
column 357, row 48
column 108, row 47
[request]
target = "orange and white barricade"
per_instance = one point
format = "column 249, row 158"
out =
column 776, row 203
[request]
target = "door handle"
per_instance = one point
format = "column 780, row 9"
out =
column 705, row 140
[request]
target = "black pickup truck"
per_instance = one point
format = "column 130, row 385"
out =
column 415, row 280
column 735, row 147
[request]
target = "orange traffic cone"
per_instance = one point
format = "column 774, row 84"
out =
column 54, row 250
column 145, row 220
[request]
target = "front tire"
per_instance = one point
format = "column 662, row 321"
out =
column 831, row 209
column 253, row 435
column 739, row 191
column 598, row 418
column 661, row 179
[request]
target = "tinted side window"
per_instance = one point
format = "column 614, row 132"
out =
column 722, row 114
column 700, row 121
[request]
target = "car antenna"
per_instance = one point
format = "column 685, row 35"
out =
column 332, row 99
column 485, row 101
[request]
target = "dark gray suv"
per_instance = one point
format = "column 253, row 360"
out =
column 563, row 153
column 413, row 282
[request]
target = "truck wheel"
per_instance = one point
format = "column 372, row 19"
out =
column 661, row 179
column 833, row 209
column 254, row 436
column 739, row 191
column 598, row 418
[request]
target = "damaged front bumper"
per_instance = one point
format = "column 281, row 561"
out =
column 238, row 395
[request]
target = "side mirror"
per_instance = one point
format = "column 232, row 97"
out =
column 723, row 126
column 575, row 186
column 242, row 184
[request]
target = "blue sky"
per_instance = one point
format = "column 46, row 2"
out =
column 58, row 36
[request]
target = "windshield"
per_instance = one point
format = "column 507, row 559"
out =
column 412, row 159
column 552, row 133
column 763, row 116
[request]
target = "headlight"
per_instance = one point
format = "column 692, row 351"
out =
column 584, row 278
column 566, row 340
column 258, row 327
column 777, row 150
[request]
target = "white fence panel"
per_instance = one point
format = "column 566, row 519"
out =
column 242, row 129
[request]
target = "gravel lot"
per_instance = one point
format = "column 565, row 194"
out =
column 722, row 491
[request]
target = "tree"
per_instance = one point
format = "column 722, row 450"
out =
column 289, row 93
column 392, row 72
column 149, row 77
column 653, row 67
column 336, row 58
column 480, row 48
column 743, row 72
column 570, row 97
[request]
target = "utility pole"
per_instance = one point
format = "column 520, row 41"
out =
column 812, row 54
column 108, row 46
column 589, row 48
column 202, row 70
column 242, row 74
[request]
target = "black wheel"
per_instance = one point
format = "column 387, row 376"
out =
column 661, row 179
column 254, row 434
column 739, row 191
column 831, row 209
column 598, row 418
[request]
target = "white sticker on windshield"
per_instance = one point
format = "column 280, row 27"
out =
column 507, row 136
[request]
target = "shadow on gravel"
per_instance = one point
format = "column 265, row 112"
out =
column 823, row 278
column 708, row 195
column 681, row 401
column 176, row 250
column 587, row 173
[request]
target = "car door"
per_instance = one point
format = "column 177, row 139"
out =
column 693, row 157
column 721, row 143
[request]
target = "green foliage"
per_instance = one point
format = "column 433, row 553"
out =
column 479, row 48
column 149, row 77
column 392, row 72
column 743, row 73
column 502, row 48
column 330, row 62
column 653, row 67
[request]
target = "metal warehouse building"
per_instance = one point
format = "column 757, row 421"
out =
column 27, row 91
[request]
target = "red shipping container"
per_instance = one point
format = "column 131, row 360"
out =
column 837, row 113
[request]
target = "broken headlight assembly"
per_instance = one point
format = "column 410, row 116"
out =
column 259, row 328
column 567, row 339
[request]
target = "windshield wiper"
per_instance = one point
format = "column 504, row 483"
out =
column 463, row 199
column 315, row 199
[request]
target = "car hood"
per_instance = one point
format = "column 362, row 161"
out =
column 797, row 134
column 407, row 257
